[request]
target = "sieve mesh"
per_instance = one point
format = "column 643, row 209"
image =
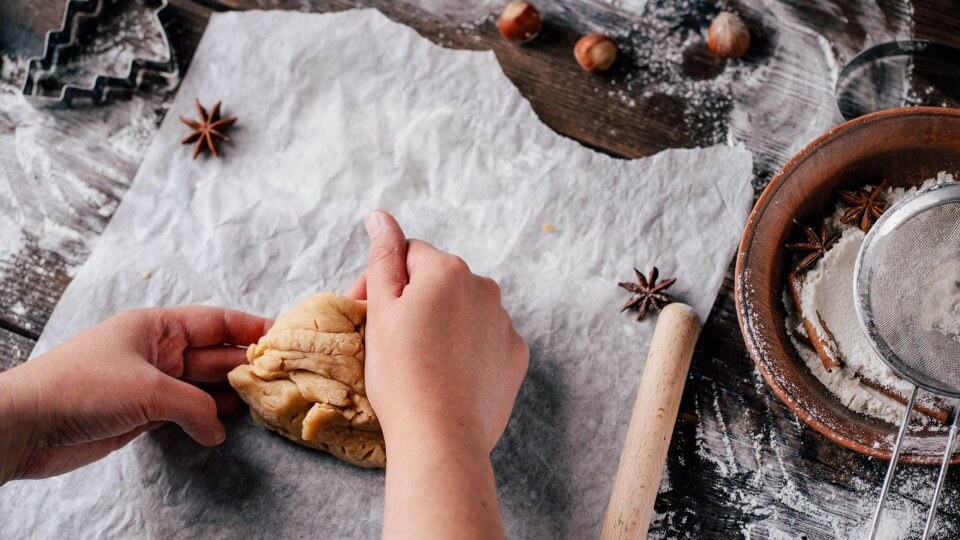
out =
column 898, row 261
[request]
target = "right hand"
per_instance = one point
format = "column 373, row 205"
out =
column 442, row 356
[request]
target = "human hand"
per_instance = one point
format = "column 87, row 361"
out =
column 441, row 351
column 131, row 373
column 443, row 368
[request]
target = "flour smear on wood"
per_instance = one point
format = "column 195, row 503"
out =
column 63, row 172
column 758, row 104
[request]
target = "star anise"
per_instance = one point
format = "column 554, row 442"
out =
column 815, row 243
column 207, row 130
column 865, row 206
column 648, row 295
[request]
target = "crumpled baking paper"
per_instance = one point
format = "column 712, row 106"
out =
column 341, row 114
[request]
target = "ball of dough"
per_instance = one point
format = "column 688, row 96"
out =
column 304, row 380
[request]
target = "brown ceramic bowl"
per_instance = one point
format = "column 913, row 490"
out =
column 904, row 146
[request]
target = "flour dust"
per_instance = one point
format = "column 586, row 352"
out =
column 63, row 172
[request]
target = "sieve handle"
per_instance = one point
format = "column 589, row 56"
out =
column 651, row 424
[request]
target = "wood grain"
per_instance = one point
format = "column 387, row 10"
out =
column 621, row 122
column 32, row 284
column 740, row 463
column 32, row 280
column 14, row 349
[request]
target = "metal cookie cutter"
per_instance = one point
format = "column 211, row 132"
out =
column 42, row 89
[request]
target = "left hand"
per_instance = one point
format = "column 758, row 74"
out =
column 131, row 373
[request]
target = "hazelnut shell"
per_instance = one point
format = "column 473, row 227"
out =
column 727, row 36
column 595, row 52
column 519, row 22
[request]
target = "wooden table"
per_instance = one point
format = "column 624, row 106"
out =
column 741, row 464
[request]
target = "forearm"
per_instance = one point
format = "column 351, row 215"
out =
column 439, row 487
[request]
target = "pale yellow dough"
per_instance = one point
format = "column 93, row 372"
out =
column 304, row 380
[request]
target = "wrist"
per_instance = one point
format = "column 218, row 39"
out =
column 16, row 426
column 416, row 433
column 440, row 484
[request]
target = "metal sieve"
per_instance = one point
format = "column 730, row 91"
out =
column 898, row 73
column 903, row 249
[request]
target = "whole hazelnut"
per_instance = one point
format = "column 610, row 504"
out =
column 519, row 22
column 595, row 52
column 727, row 36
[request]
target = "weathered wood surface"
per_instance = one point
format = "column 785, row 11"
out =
column 740, row 465
column 14, row 349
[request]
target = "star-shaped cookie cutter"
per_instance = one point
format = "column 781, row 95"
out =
column 62, row 43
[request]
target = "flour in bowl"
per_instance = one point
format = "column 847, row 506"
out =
column 940, row 307
column 864, row 383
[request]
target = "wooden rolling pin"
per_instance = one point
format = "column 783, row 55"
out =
column 651, row 424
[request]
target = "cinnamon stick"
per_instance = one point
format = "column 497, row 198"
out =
column 826, row 349
column 824, row 346
column 931, row 406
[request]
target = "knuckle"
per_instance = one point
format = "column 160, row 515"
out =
column 137, row 318
column 172, row 367
column 455, row 265
column 507, row 322
column 170, row 342
column 449, row 271
column 491, row 286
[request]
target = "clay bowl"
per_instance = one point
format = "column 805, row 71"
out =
column 905, row 146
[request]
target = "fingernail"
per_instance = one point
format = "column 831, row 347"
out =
column 374, row 222
column 222, row 435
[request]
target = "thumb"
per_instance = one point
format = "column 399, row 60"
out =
column 387, row 265
column 194, row 410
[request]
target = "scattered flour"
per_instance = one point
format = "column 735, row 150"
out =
column 458, row 9
column 742, row 103
column 771, row 488
column 18, row 309
column 13, row 69
column 62, row 172
column 830, row 56
column 12, row 239
column 634, row 6
column 789, row 73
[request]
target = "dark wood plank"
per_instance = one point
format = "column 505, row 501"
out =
column 61, row 214
column 566, row 98
column 32, row 283
column 14, row 349
column 543, row 71
column 740, row 462
column 648, row 103
column 22, row 22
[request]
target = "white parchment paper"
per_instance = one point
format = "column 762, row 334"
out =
column 339, row 115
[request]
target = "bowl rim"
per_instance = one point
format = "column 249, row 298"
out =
column 750, row 230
